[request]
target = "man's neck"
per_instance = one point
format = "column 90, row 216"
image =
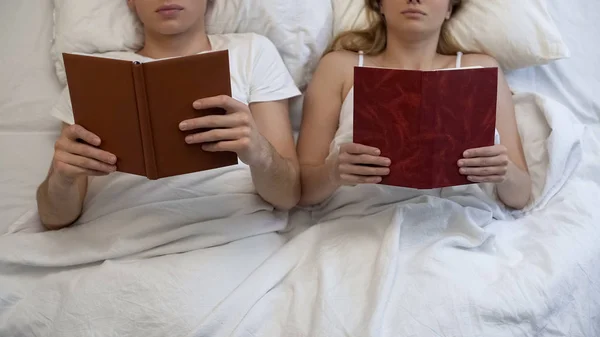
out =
column 417, row 54
column 157, row 46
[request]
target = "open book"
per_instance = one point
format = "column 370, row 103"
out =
column 425, row 120
column 136, row 108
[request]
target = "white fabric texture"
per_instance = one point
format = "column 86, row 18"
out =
column 447, row 264
column 300, row 29
column 573, row 82
column 257, row 71
column 517, row 33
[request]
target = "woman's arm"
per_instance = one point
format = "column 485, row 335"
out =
column 355, row 163
column 320, row 118
column 514, row 186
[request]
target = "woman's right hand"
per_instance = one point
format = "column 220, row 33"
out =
column 359, row 164
column 76, row 154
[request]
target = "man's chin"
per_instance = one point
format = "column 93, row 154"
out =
column 171, row 28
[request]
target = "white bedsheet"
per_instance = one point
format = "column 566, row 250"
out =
column 447, row 264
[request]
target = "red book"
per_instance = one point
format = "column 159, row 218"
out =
column 425, row 120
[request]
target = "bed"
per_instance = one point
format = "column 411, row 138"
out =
column 322, row 274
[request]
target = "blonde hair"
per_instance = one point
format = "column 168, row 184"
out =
column 373, row 39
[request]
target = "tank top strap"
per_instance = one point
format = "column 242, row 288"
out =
column 459, row 59
column 361, row 58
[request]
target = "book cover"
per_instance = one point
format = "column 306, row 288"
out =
column 136, row 107
column 425, row 120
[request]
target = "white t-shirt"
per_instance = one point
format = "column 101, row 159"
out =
column 258, row 73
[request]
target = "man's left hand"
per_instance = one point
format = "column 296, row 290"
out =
column 236, row 131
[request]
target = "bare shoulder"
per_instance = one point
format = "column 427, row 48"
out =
column 340, row 62
column 335, row 72
column 471, row 60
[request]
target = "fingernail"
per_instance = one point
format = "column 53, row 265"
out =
column 188, row 140
column 197, row 105
column 467, row 153
column 463, row 171
column 469, row 178
column 96, row 140
column 388, row 162
column 461, row 162
column 183, row 126
column 112, row 159
column 378, row 152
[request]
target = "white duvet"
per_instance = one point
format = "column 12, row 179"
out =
column 183, row 260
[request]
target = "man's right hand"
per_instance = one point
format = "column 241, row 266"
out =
column 359, row 164
column 76, row 154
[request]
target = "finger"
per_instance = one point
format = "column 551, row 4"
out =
column 490, row 151
column 366, row 159
column 84, row 163
column 353, row 148
column 349, row 179
column 71, row 170
column 486, row 179
column 227, row 146
column 484, row 171
column 364, row 170
column 216, row 121
column 224, row 102
column 75, row 132
column 87, row 151
column 484, row 161
column 218, row 135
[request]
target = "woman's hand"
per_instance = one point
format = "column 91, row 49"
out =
column 359, row 164
column 486, row 164
column 235, row 131
column 76, row 154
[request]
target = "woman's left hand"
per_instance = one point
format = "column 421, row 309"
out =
column 485, row 165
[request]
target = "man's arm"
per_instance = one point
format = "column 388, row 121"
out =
column 277, row 177
column 60, row 197
column 60, row 201
column 261, row 136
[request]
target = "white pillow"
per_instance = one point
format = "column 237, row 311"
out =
column 518, row 33
column 301, row 30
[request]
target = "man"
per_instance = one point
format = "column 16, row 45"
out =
column 256, row 125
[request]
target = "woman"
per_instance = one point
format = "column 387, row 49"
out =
column 403, row 34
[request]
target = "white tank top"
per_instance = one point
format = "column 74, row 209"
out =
column 344, row 132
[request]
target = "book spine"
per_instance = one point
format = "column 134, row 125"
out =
column 145, row 121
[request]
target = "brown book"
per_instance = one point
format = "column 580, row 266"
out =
column 424, row 120
column 136, row 107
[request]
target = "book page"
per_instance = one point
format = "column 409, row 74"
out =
column 178, row 57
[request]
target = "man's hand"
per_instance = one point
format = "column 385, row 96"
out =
column 76, row 154
column 486, row 164
column 235, row 131
column 76, row 157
